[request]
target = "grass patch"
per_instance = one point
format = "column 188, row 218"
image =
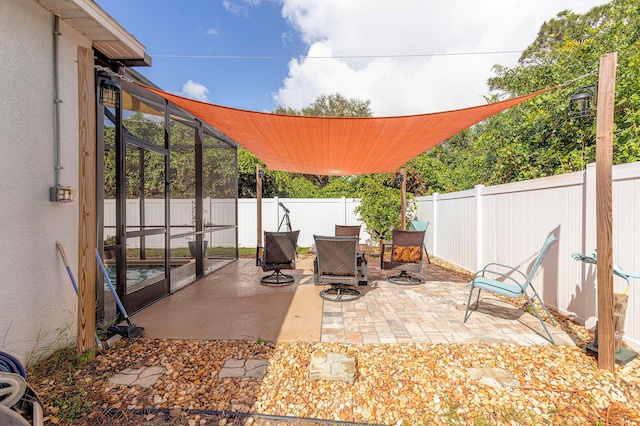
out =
column 450, row 411
column 74, row 408
column 246, row 251
column 56, row 374
column 61, row 364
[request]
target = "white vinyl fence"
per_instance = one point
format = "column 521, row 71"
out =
column 309, row 215
column 506, row 224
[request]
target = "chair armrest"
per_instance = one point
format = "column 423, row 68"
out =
column 490, row 267
column 506, row 272
column 259, row 255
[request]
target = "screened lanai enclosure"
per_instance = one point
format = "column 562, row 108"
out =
column 166, row 195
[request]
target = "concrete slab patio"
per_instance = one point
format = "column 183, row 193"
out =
column 231, row 304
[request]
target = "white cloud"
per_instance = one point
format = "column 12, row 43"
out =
column 234, row 8
column 212, row 31
column 240, row 7
column 409, row 85
column 195, row 91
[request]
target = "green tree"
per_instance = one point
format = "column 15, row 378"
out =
column 247, row 163
column 337, row 105
column 380, row 206
column 537, row 138
column 218, row 163
column 447, row 167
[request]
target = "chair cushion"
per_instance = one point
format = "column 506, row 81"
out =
column 506, row 289
column 406, row 254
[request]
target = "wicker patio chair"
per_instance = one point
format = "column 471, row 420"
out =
column 406, row 255
column 354, row 231
column 347, row 231
column 337, row 265
column 278, row 253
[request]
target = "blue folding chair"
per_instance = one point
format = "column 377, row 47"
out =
column 512, row 283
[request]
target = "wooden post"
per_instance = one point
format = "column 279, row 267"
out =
column 604, row 159
column 86, row 200
column 619, row 314
column 259, row 202
column 403, row 200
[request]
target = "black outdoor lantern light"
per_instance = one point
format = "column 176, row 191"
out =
column 580, row 102
column 109, row 92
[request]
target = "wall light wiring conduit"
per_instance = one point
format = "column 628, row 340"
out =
column 56, row 99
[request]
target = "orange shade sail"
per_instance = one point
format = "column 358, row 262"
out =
column 337, row 146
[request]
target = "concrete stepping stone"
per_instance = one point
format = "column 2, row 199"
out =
column 332, row 366
column 495, row 377
column 244, row 368
column 144, row 377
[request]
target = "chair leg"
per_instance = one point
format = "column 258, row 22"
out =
column 553, row 321
column 340, row 293
column 427, row 253
column 405, row 279
column 466, row 312
column 277, row 278
column 540, row 318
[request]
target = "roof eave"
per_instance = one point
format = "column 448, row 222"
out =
column 106, row 35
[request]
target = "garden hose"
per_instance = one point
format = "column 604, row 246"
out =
column 12, row 388
column 9, row 364
column 237, row 414
column 12, row 380
column 15, row 392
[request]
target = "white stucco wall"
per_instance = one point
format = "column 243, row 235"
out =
column 37, row 301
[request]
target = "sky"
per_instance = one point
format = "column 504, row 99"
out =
column 404, row 56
